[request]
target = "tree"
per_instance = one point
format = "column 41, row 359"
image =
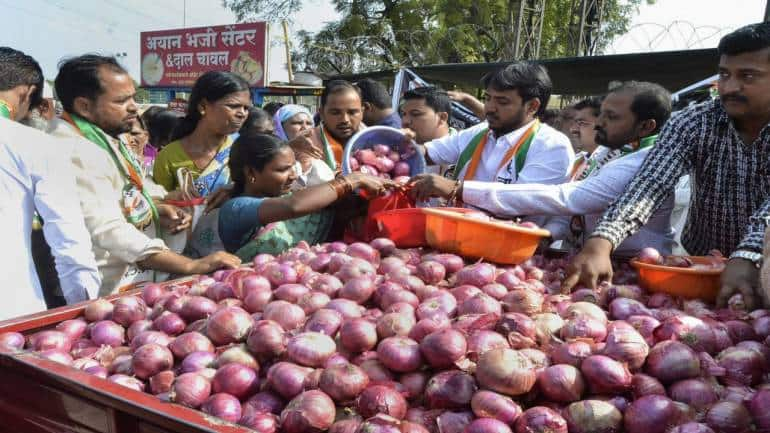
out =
column 382, row 34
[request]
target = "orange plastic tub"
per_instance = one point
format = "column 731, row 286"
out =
column 685, row 282
column 491, row 241
column 406, row 227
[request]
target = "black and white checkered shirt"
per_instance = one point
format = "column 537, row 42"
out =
column 730, row 200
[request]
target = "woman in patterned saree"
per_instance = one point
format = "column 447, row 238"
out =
column 264, row 216
column 218, row 106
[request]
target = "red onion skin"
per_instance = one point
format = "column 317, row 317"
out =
column 150, row 360
column 127, row 381
column 74, row 328
column 310, row 412
column 489, row 404
column 310, row 349
column 188, row 343
column 229, row 325
column 138, row 327
column 605, row 375
column 313, row 301
column 593, row 416
column 161, row 382
column 358, row 335
column 480, row 304
column 744, row 367
column 264, row 401
column 147, row 337
column 107, row 332
column 223, row 406
column 728, row 417
column 325, row 321
column 267, row 339
column 400, row 354
column 376, row 371
column 505, row 371
column 693, row 392
column 260, row 422
column 625, row 344
column 482, row 340
column 169, row 323
column 645, row 326
column 689, row 330
column 477, row 275
column 97, row 371
column 288, row 315
column 47, row 340
column 98, row 310
column 151, row 293
column 643, row 384
column 561, row 383
column 670, row 361
column 453, row 422
column 128, row 310
column 692, row 427
column 57, row 355
column 414, row 384
column 196, row 361
column 443, row 348
column 650, row 414
column 740, row 331
column 541, row 419
column 572, row 353
column 235, row 379
column 287, row 379
column 343, row 383
column 487, row 425
column 431, row 272
column 584, row 327
column 196, row 308
column 381, row 399
column 345, row 426
column 450, row 390
column 523, row 301
column 759, row 406
column 11, row 342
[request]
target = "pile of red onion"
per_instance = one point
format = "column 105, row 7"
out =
column 372, row 338
column 380, row 161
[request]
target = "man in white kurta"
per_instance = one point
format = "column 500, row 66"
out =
column 626, row 129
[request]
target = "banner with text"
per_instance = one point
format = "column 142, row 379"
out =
column 176, row 58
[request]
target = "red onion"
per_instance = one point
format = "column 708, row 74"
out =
column 346, row 426
column 690, row 331
column 97, row 371
column 229, row 325
column 670, row 361
column 593, row 416
column 453, row 422
column 328, row 284
column 561, row 383
column 390, row 265
column 383, row 245
column 431, row 272
column 260, row 422
column 313, row 301
column 759, row 405
column 147, row 337
column 505, row 371
column 450, row 390
column 694, row 392
column 74, row 328
column 605, row 375
column 643, row 384
column 151, row 293
column 267, row 339
column 358, row 335
column 381, row 399
column 662, row 300
column 585, row 309
column 363, row 251
column 223, row 406
column 479, row 304
column 355, row 269
column 488, row 404
column 541, row 419
column 343, row 383
column 399, row 354
column 728, row 417
column 376, row 371
column 743, row 366
column 651, row 414
column 265, row 401
column 324, row 321
column 464, row 292
column 626, row 345
column 11, row 342
column 138, row 327
column 587, row 295
column 572, row 353
column 482, row 340
column 428, row 326
column 623, row 308
column 523, row 301
column 161, row 382
column 288, row 315
column 478, row 275
column 107, row 332
column 188, row 343
column 440, row 304
column 645, row 326
column 128, row 310
column 358, row 289
column 414, row 384
column 692, row 427
column 97, row 310
column 56, row 355
column 396, row 296
column 235, row 379
column 584, row 327
column 197, row 361
column 196, row 308
column 169, row 323
column 487, row 425
column 649, row 255
column 127, row 381
column 443, row 348
column 151, row 359
column 538, row 358
column 290, row 292
column 310, row 412
column 255, row 300
column 239, row 354
column 219, row 291
column 281, row 274
column 410, row 283
column 287, row 379
column 121, row 364
column 393, row 324
column 311, row 349
column 46, row 340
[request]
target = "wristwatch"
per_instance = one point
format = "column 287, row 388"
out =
column 751, row 256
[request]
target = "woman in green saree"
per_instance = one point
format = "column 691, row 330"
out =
column 264, row 215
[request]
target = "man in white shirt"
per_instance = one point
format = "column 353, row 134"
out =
column 426, row 111
column 34, row 177
column 511, row 147
column 117, row 202
column 631, row 116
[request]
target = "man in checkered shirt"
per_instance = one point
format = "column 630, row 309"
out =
column 724, row 145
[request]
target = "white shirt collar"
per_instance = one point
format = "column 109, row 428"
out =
column 512, row 137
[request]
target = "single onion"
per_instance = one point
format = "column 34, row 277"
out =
column 728, row 417
column 264, row 401
column 313, row 301
column 147, row 337
column 127, row 381
column 689, row 330
column 325, row 321
column 46, row 340
column 651, row 414
column 11, row 342
column 625, row 344
column 151, row 293
column 128, row 310
column 414, row 384
column 431, row 272
column 587, row 309
column 693, row 392
column 57, row 355
column 74, row 328
column 643, row 384
column 572, row 353
column 450, row 390
column 483, row 340
column 150, row 360
column 287, row 379
column 487, row 425
column 138, row 327
column 645, row 326
column 107, row 332
column 98, row 310
column 229, row 325
column 506, row 371
column 541, row 419
column 238, row 354
column 399, row 354
column 169, row 323
column 267, row 339
column 523, row 301
column 452, row 422
column 219, row 291
column 288, row 315
column 691, row 427
column 196, row 308
column 759, row 405
column 197, row 361
column 488, row 404
column 358, row 335
column 605, row 375
column 260, row 422
column 310, row 412
column 343, row 383
column 561, row 383
column 428, row 326
column 670, row 361
column 393, row 324
column 584, row 327
column 162, row 382
column 589, row 416
column 188, row 343
column 443, row 348
column 223, row 406
column 479, row 275
column 381, row 399
column 311, row 349
column 235, row 379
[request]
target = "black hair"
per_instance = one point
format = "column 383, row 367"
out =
column 160, row 124
column 256, row 117
column 79, row 77
column 251, row 150
column 592, row 102
column 273, row 107
column 211, row 86
column 549, row 116
column 435, row 98
column 374, row 93
column 337, row 86
column 651, row 101
column 529, row 79
column 746, row 39
column 19, row 69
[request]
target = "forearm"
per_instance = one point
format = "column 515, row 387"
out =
column 755, row 232
column 297, row 204
column 169, row 262
column 476, row 106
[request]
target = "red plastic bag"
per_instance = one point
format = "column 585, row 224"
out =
column 397, row 199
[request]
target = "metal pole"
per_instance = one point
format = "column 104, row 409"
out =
column 288, row 51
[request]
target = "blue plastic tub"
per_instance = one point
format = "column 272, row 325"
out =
column 382, row 135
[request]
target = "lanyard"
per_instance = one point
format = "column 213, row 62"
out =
column 328, row 154
column 595, row 164
column 524, row 141
column 129, row 167
column 6, row 111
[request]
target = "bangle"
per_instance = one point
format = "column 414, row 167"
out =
column 452, row 200
column 341, row 187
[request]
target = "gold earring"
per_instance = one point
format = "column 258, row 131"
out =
column 203, row 113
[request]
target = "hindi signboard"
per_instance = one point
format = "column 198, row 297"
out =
column 176, row 58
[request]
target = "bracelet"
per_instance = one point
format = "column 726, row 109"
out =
column 452, row 199
column 341, row 187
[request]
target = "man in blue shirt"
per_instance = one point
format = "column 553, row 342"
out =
column 378, row 107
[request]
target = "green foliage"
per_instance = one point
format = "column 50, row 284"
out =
column 383, row 34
